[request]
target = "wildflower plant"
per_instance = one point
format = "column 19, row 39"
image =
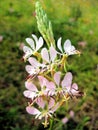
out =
column 47, row 64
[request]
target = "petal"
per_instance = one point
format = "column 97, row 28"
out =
column 35, row 38
column 32, row 110
column 66, row 83
column 45, row 55
column 33, row 62
column 53, row 53
column 57, row 77
column 39, row 44
column 59, row 44
column 67, row 45
column 30, row 86
column 75, row 86
column 29, row 94
column 31, row 43
column 72, row 51
column 72, row 48
column 27, row 49
column 51, row 103
column 74, row 89
column 50, row 88
column 43, row 81
column 55, row 107
column 30, row 69
column 40, row 102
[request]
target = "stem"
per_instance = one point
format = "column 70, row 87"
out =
column 51, row 124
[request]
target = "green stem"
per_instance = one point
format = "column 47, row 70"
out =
column 51, row 124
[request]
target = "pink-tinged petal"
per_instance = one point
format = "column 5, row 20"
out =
column 64, row 120
column 35, row 38
column 67, row 81
column 40, row 102
column 32, row 110
column 30, row 69
column 50, row 88
column 30, row 86
column 45, row 55
column 74, row 89
column 56, row 106
column 53, row 53
column 51, row 103
column 31, row 43
column 29, row 94
column 43, row 81
column 75, row 86
column 33, row 62
column 59, row 44
column 39, row 44
column 57, row 77
column 27, row 49
column 67, row 45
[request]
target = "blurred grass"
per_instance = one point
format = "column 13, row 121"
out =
column 76, row 20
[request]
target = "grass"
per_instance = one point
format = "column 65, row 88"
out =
column 76, row 20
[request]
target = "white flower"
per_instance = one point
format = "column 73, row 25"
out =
column 68, row 48
column 34, row 45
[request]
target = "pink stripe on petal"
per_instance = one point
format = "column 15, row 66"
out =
column 40, row 102
column 51, row 103
column 57, row 77
column 56, row 106
column 32, row 110
column 30, row 86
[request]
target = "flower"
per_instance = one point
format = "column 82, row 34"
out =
column 35, row 68
column 35, row 44
column 68, row 48
column 32, row 90
column 68, row 87
column 65, row 86
column 47, row 107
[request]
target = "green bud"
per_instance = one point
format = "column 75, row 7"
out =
column 44, row 25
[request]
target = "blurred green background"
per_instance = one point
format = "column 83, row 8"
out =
column 76, row 20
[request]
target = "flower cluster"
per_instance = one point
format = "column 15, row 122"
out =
column 48, row 84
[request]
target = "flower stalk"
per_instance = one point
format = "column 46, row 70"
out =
column 54, row 86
